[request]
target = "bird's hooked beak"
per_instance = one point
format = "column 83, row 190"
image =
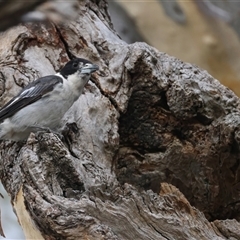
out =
column 89, row 68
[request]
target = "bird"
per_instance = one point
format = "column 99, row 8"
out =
column 42, row 104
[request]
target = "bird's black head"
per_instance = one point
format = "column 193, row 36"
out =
column 78, row 64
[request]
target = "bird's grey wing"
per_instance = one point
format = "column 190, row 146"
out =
column 30, row 94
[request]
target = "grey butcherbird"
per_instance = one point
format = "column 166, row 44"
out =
column 43, row 102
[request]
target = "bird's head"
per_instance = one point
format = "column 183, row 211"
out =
column 78, row 66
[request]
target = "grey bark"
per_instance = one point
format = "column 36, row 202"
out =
column 145, row 118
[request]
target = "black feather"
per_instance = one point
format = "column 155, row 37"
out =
column 37, row 89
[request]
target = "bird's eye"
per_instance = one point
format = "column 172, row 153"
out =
column 75, row 65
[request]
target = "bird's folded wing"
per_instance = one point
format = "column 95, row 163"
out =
column 30, row 94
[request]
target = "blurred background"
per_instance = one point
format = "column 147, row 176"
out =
column 201, row 32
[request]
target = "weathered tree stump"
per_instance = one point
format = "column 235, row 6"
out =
column 146, row 122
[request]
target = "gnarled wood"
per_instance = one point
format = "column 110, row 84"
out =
column 145, row 118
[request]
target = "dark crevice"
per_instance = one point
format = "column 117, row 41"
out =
column 112, row 100
column 203, row 119
column 2, row 84
column 143, row 149
column 234, row 146
column 235, row 167
column 179, row 134
column 70, row 55
column 163, row 101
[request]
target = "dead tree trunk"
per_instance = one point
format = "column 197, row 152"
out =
column 145, row 118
